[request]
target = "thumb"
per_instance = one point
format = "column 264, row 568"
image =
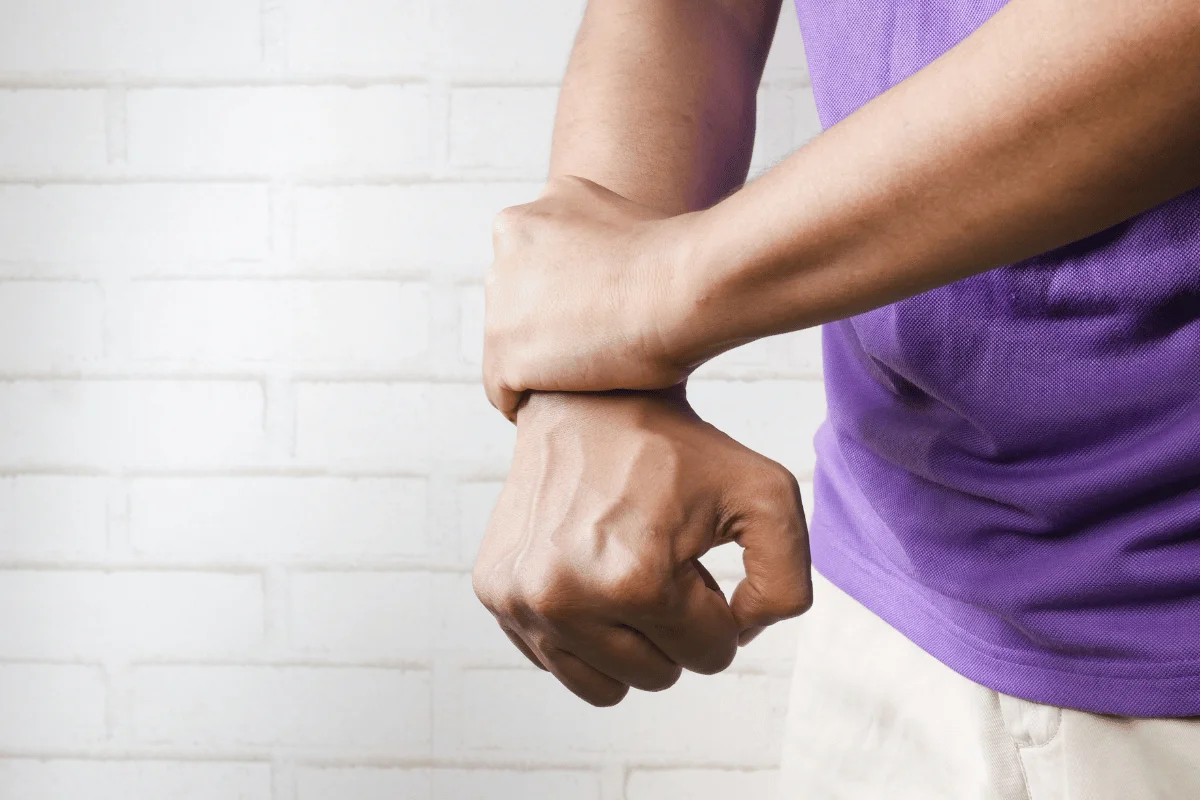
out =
column 778, row 583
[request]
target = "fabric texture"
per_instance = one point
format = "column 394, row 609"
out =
column 874, row 717
column 1010, row 468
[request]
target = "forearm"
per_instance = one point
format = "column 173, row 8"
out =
column 1053, row 121
column 658, row 102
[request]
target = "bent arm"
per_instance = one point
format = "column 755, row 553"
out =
column 1053, row 121
column 658, row 101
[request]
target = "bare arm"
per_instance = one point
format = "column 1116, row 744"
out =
column 589, row 561
column 1056, row 119
column 658, row 103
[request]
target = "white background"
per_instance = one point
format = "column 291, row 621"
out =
column 244, row 457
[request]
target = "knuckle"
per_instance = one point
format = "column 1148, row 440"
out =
column 539, row 639
column 641, row 588
column 515, row 224
column 498, row 602
column 545, row 594
column 785, row 486
column 506, row 221
column 777, row 492
column 506, row 607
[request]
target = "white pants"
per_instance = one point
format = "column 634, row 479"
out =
column 874, row 717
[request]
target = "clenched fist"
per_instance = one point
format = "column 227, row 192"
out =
column 589, row 562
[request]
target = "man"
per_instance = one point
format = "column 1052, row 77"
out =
column 999, row 231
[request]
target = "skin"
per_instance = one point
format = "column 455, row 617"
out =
column 597, row 580
column 642, row 258
column 1054, row 120
column 658, row 105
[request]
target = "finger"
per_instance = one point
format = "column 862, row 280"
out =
column 778, row 583
column 507, row 402
column 502, row 398
column 523, row 647
column 583, row 679
column 699, row 632
column 626, row 656
column 518, row 401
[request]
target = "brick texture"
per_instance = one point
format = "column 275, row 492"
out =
column 121, row 779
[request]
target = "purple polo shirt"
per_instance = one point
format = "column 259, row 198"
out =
column 1010, row 470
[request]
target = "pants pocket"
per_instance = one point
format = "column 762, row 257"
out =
column 1035, row 729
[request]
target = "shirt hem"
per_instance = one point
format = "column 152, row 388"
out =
column 1071, row 684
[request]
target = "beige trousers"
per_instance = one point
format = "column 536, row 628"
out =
column 874, row 717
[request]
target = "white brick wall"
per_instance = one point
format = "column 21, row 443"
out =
column 123, row 780
column 52, row 132
column 282, row 130
column 75, row 38
column 134, row 222
column 245, row 461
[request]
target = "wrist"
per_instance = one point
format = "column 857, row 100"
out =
column 687, row 332
column 550, row 410
column 744, row 277
column 709, row 268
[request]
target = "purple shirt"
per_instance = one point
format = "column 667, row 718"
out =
column 1010, row 470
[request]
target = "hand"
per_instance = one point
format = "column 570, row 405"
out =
column 582, row 295
column 589, row 561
